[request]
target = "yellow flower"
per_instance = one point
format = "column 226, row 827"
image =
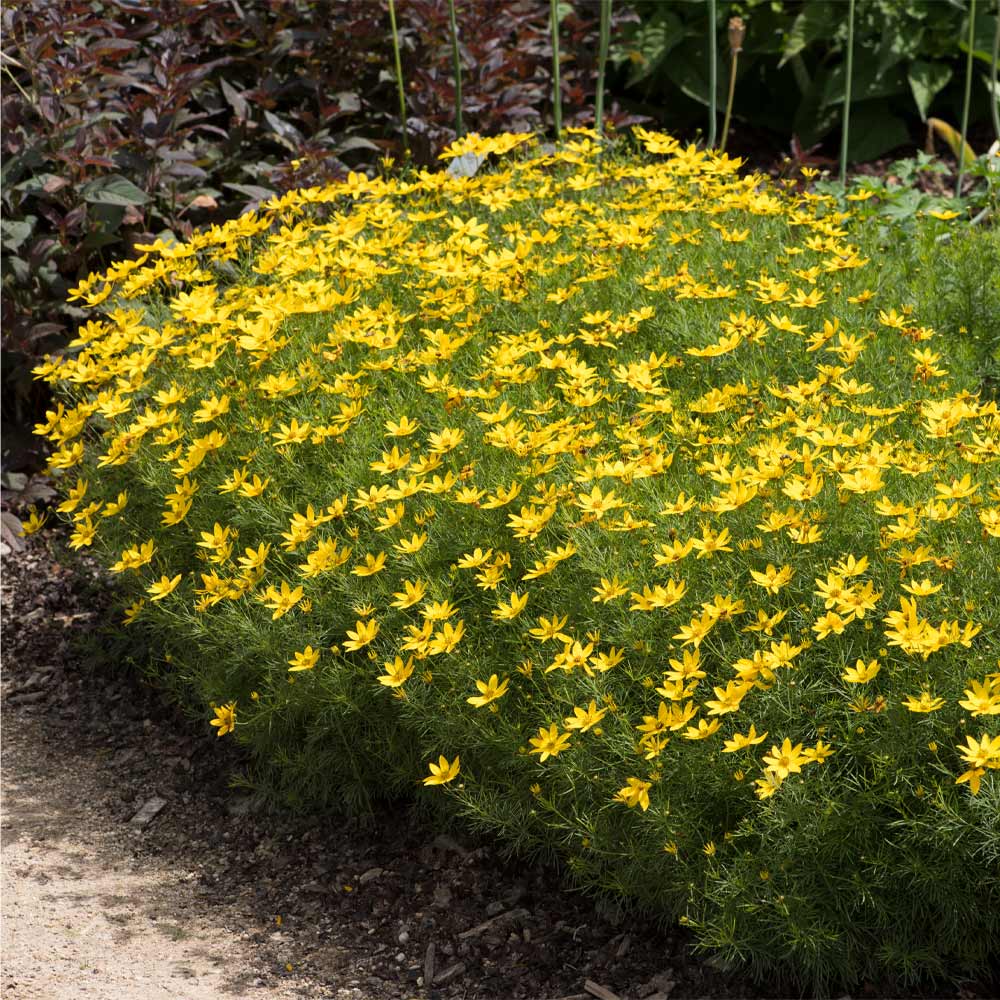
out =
column 305, row 660
column 281, row 601
column 132, row 611
column 403, row 427
column 225, row 718
column 984, row 753
column 609, row 590
column 703, row 730
column 924, row 703
column 597, row 503
column 585, row 718
column 982, row 698
column 363, row 633
column 33, row 523
column 442, row 772
column 549, row 742
column 396, row 673
column 165, row 585
column 489, row 691
column 635, row 793
column 738, row 742
column 505, row 611
column 373, row 564
column 772, row 579
column 412, row 593
column 861, row 672
column 411, row 545
column 788, row 760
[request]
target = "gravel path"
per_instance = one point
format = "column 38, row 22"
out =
column 79, row 920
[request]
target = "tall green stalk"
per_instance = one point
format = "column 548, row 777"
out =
column 737, row 32
column 713, row 76
column 457, row 64
column 847, row 94
column 556, row 86
column 399, row 77
column 602, row 58
column 968, row 97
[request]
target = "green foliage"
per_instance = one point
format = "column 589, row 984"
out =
column 620, row 505
column 908, row 60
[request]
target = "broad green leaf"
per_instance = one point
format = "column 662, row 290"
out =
column 650, row 44
column 867, row 83
column 114, row 190
column 15, row 233
column 817, row 21
column 927, row 80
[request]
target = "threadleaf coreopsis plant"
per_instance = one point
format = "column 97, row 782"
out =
column 604, row 501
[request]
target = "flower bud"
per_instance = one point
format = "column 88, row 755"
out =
column 737, row 32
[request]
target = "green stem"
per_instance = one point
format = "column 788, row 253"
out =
column 457, row 63
column 399, row 77
column 729, row 102
column 602, row 58
column 847, row 94
column 968, row 97
column 995, row 93
column 556, row 86
column 713, row 75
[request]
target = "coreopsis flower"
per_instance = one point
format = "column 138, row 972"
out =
column 442, row 772
column 32, row 523
column 740, row 742
column 362, row 634
column 374, row 563
column 635, row 793
column 162, row 587
column 772, row 579
column 397, row 672
column 281, row 601
column 549, row 742
column 983, row 697
column 225, row 718
column 507, row 610
column 583, row 719
column 489, row 691
column 924, row 702
column 786, row 760
column 306, row 659
column 861, row 672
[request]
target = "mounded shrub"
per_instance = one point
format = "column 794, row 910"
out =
column 599, row 496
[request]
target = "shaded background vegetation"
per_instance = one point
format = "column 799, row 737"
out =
column 127, row 119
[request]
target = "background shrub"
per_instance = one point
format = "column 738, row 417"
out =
column 543, row 486
column 908, row 66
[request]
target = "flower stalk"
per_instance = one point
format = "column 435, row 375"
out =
column 737, row 32
column 847, row 94
column 602, row 59
column 713, row 75
column 556, row 85
column 399, row 77
column 457, row 64
column 967, row 99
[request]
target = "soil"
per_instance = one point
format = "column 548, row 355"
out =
column 132, row 868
